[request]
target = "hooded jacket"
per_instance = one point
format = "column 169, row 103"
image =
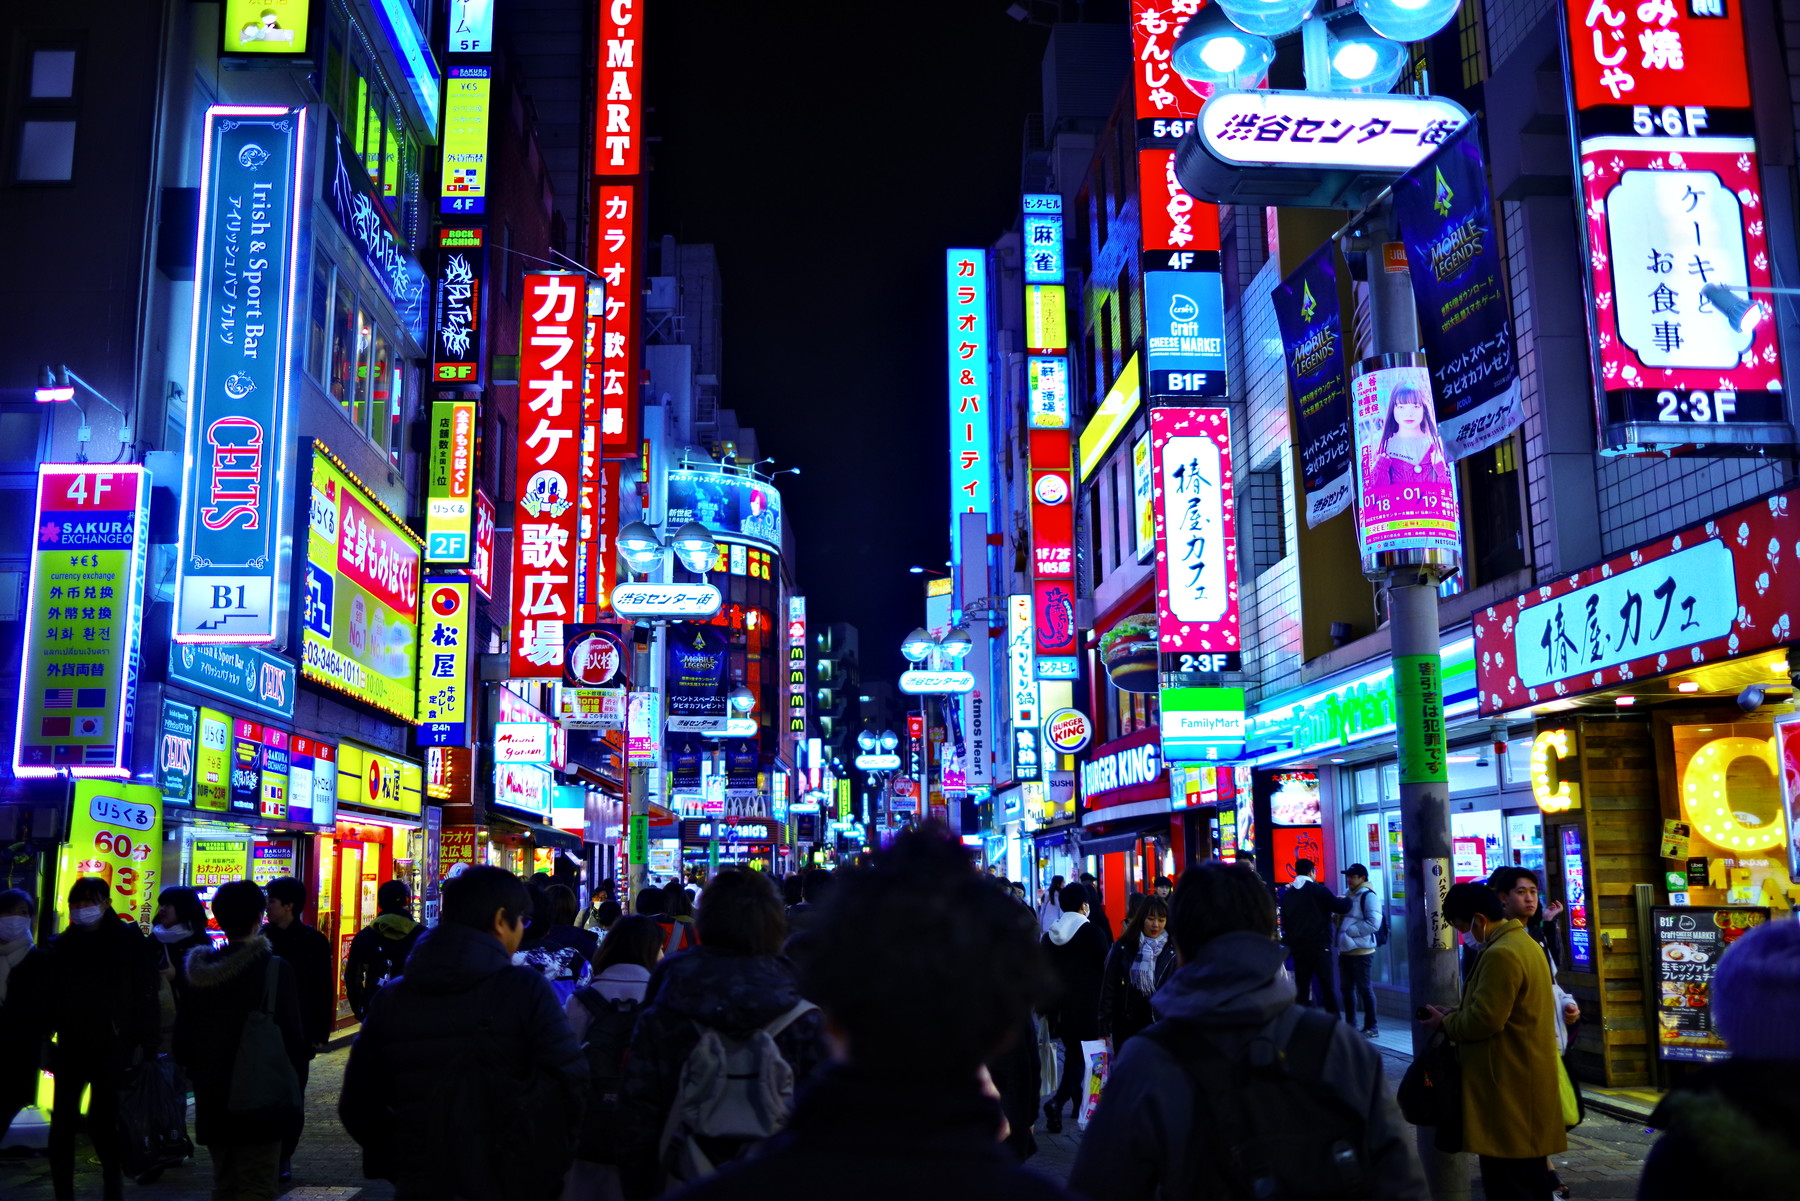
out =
column 860, row 1136
column 1361, row 921
column 1142, row 1134
column 1730, row 1130
column 308, row 952
column 101, row 997
column 224, row 986
column 1306, row 908
column 466, row 1080
column 1077, row 952
column 734, row 994
column 377, row 954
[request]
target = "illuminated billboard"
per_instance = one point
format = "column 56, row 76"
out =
column 265, row 27
column 1196, row 534
column 615, row 258
column 1184, row 333
column 463, row 190
column 457, row 316
column 725, row 503
column 971, row 486
column 445, row 628
column 1165, row 103
column 619, row 105
column 234, row 514
column 471, row 28
column 359, row 592
column 450, row 482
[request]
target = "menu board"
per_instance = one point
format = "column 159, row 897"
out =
column 1689, row 942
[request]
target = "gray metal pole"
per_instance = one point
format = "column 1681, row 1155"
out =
column 1419, row 706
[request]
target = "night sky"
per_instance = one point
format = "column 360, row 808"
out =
column 832, row 152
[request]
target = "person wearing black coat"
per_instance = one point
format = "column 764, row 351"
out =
column 466, row 1081
column 308, row 952
column 1077, row 951
column 101, row 1001
column 1132, row 976
column 225, row 985
column 24, row 971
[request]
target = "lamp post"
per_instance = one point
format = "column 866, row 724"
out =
column 885, row 743
column 646, row 553
column 921, row 646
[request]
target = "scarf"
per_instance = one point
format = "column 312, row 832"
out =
column 10, row 955
column 1143, row 968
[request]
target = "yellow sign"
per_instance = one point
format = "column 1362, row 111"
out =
column 265, row 26
column 115, row 833
column 465, row 141
column 1706, row 800
column 1113, row 415
column 212, row 763
column 376, row 780
column 1046, row 318
column 216, row 861
column 1552, row 793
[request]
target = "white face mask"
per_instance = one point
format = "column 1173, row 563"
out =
column 86, row 915
column 14, row 926
column 171, row 933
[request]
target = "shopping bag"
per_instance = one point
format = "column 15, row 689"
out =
column 1570, row 1095
column 1094, row 1055
column 1049, row 1060
column 152, row 1120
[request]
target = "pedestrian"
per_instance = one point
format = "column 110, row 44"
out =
column 1329, row 1117
column 715, row 998
column 678, row 907
column 466, row 1081
column 24, row 1016
column 603, row 1013
column 1357, row 938
column 1017, row 891
column 1505, row 1036
column 180, row 926
column 600, row 914
column 225, row 986
column 1136, row 966
column 562, row 951
column 1050, row 908
column 1306, row 910
column 308, row 953
column 102, row 1008
column 379, row 950
column 924, row 974
column 1077, row 952
column 1732, row 1128
column 1164, row 887
column 812, row 890
column 1096, row 906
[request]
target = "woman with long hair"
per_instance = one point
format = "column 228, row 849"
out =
column 1051, row 909
column 1410, row 451
column 180, row 927
column 1136, row 966
column 603, row 1015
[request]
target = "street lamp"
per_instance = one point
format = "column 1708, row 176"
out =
column 640, row 546
column 956, row 644
column 742, row 699
column 694, row 545
column 918, row 646
column 888, row 741
column 643, row 551
column 1211, row 49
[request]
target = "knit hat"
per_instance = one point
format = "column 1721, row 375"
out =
column 1756, row 993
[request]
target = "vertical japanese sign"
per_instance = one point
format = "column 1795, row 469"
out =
column 1052, row 505
column 1045, row 258
column 471, row 29
column 599, row 508
column 481, row 566
column 450, row 484
column 615, row 257
column 1419, row 713
column 77, row 685
column 175, row 752
column 796, row 649
column 1196, row 534
column 1184, row 295
column 548, row 469
column 1446, row 219
column 1053, row 621
column 1165, row 103
column 1406, row 499
column 444, row 633
column 275, row 773
column 971, row 486
column 1022, row 690
column 234, row 512
column 466, row 96
column 1046, row 261
column 115, row 833
column 212, row 769
column 1309, row 317
column 1672, row 204
column 643, row 712
column 618, row 119
column 312, row 781
column 457, row 324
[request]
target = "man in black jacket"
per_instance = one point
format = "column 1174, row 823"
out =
column 379, row 950
column 308, row 952
column 1077, row 951
column 466, row 1081
column 1306, row 910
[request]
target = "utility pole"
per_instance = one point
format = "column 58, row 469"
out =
column 1412, row 578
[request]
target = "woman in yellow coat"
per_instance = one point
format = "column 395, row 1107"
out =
column 1505, row 1034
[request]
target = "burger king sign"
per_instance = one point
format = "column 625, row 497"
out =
column 1068, row 731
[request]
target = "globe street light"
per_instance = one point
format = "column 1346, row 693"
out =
column 918, row 646
column 866, row 740
column 641, row 548
column 694, row 545
column 956, row 644
column 888, row 741
column 742, row 699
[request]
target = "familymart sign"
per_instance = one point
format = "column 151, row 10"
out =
column 1357, row 709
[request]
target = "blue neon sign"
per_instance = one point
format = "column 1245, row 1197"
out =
column 1043, row 248
column 1184, row 333
column 971, row 485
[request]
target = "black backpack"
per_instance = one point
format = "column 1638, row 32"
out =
column 1271, row 1128
column 609, row 1028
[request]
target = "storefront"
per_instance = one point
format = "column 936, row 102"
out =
column 1662, row 756
column 707, row 844
column 1125, row 817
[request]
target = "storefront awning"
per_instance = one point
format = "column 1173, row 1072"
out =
column 542, row 835
column 1122, row 834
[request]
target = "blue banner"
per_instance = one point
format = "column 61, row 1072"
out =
column 247, row 675
column 1184, row 333
column 1312, row 342
column 1446, row 219
column 696, row 669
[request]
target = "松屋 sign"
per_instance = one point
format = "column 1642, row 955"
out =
column 77, row 684
column 1672, row 203
column 1196, row 531
column 235, row 511
column 445, row 628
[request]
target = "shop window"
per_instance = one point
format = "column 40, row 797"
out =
column 332, row 89
column 1728, row 793
column 318, row 312
column 1268, row 518
column 361, row 383
column 44, row 139
column 1472, row 769
column 342, row 375
column 1491, row 484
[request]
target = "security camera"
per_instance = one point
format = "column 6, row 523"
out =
column 1751, row 698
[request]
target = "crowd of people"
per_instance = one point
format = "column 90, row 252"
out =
column 876, row 1032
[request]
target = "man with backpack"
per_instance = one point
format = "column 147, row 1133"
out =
column 722, row 1042
column 1362, row 930
column 379, row 950
column 1237, row 1092
column 1306, row 909
column 466, row 1081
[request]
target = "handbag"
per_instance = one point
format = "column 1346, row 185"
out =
column 152, row 1120
column 1573, row 1109
column 263, row 1079
column 1430, row 1093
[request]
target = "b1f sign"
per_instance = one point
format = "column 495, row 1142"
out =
column 235, row 508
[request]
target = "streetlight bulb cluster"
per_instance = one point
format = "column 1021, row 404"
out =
column 1230, row 43
column 693, row 544
column 919, row 645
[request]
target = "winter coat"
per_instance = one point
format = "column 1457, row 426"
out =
column 1730, row 1130
column 465, row 1080
column 102, row 998
column 1505, row 1034
column 224, row 986
column 1306, row 908
column 1077, row 951
column 308, row 952
column 1017, row 1074
column 620, row 982
column 1361, row 920
column 24, row 1024
column 1140, row 1138
column 1048, row 912
column 856, row 1136
column 377, row 954
column 1123, row 1009
column 734, row 994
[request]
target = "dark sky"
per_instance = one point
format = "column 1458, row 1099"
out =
column 832, row 152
